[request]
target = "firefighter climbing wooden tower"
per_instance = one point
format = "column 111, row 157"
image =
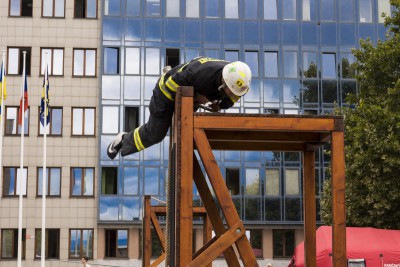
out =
column 205, row 132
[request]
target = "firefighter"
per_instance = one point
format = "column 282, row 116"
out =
column 217, row 83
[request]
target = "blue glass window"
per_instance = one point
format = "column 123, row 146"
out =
column 328, row 10
column 231, row 9
column 328, row 34
column 309, row 12
column 251, row 9
column 212, row 8
column 310, row 64
column 271, row 33
column 272, row 209
column 366, row 31
column 153, row 30
column 271, row 64
column 131, row 181
column 132, row 87
column 251, row 58
column 112, row 28
column 270, row 10
column 290, row 64
column 252, row 209
column 232, row 56
column 382, row 32
column 153, row 8
column 151, row 181
column 130, row 208
column 328, row 65
column 348, row 87
column 292, row 209
column 365, row 10
column 383, row 7
column 133, row 30
column 253, row 95
column 212, row 31
column 172, row 28
column 291, row 92
column 191, row 54
column 309, row 34
column 251, row 32
column 290, row 33
column 152, row 62
column 109, row 208
column 289, row 9
column 310, row 92
column 112, row 7
column 231, row 31
column 348, row 35
column 347, row 10
column 271, row 91
column 132, row 60
column 192, row 31
column 348, row 70
column 132, row 8
column 329, row 92
column 211, row 53
column 252, row 181
column 111, row 60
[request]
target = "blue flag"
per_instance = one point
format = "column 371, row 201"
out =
column 45, row 97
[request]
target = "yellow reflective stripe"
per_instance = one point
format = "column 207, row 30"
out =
column 173, row 86
column 234, row 99
column 138, row 141
column 181, row 69
column 162, row 88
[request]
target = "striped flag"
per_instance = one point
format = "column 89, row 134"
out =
column 45, row 99
column 23, row 109
column 3, row 84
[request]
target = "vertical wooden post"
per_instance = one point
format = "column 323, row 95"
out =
column 185, row 177
column 207, row 232
column 309, row 207
column 146, row 241
column 338, row 201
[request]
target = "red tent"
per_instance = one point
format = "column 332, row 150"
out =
column 379, row 248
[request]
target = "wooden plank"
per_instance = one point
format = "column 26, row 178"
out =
column 234, row 136
column 338, row 201
column 212, row 211
column 309, row 209
column 186, row 183
column 158, row 260
column 220, row 245
column 264, row 123
column 146, row 244
column 158, row 230
column 256, row 146
column 223, row 196
column 207, row 233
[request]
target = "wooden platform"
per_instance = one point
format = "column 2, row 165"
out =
column 205, row 132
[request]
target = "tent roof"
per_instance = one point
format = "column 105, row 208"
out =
column 362, row 243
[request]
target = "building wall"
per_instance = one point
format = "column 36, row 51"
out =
column 62, row 212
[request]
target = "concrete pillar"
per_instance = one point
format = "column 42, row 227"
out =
column 298, row 236
column 267, row 244
column 134, row 243
column 101, row 241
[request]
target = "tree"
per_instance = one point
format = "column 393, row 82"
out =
column 372, row 135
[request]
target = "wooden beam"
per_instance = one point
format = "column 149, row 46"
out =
column 257, row 146
column 146, row 242
column 158, row 260
column 185, row 194
column 256, row 136
column 158, row 230
column 223, row 196
column 338, row 201
column 260, row 123
column 309, row 209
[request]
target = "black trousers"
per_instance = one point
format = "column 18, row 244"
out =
column 155, row 129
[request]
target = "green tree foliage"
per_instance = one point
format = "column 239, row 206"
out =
column 372, row 136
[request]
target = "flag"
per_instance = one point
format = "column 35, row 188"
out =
column 3, row 84
column 22, row 110
column 45, row 94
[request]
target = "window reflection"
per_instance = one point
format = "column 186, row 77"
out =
column 231, row 9
column 153, row 30
column 153, row 8
column 251, row 58
column 110, row 120
column 383, row 7
column 112, row 7
column 271, row 91
column 151, row 181
column 131, row 209
column 233, row 180
column 212, row 8
column 290, row 33
column 172, row 8
column 253, row 94
column 133, row 30
column 132, row 60
column 80, row 116
column 329, row 92
column 231, row 55
column 328, row 10
column 272, row 209
column 270, row 10
column 291, row 92
column 309, row 10
column 112, row 28
column 132, row 8
column 192, row 8
column 252, row 182
column 131, row 181
column 310, row 92
column 365, row 10
column 251, row 9
column 290, row 64
column 212, row 31
column 192, row 30
column 348, row 35
column 348, row 70
column 292, row 210
column 328, row 34
column 328, row 65
column 108, row 210
column 271, row 64
column 55, row 125
column 289, row 9
column 111, row 60
column 292, row 187
column 310, row 64
column 347, row 10
column 272, row 182
column 152, row 62
column 252, row 209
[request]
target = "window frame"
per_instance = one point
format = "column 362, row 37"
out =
column 47, row 247
column 84, row 63
column 81, row 240
column 86, row 9
column 283, row 240
column 83, row 122
column 48, row 183
column 15, row 239
column 15, row 195
column 53, row 10
column 41, row 68
column 20, row 60
column 49, row 126
column 18, row 129
column 82, row 187
column 116, row 248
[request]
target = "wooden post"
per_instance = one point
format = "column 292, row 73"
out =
column 146, row 241
column 338, row 201
column 309, row 207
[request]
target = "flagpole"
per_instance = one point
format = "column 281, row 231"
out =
column 21, row 167
column 1, row 115
column 44, row 172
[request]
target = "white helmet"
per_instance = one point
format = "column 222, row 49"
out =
column 237, row 76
